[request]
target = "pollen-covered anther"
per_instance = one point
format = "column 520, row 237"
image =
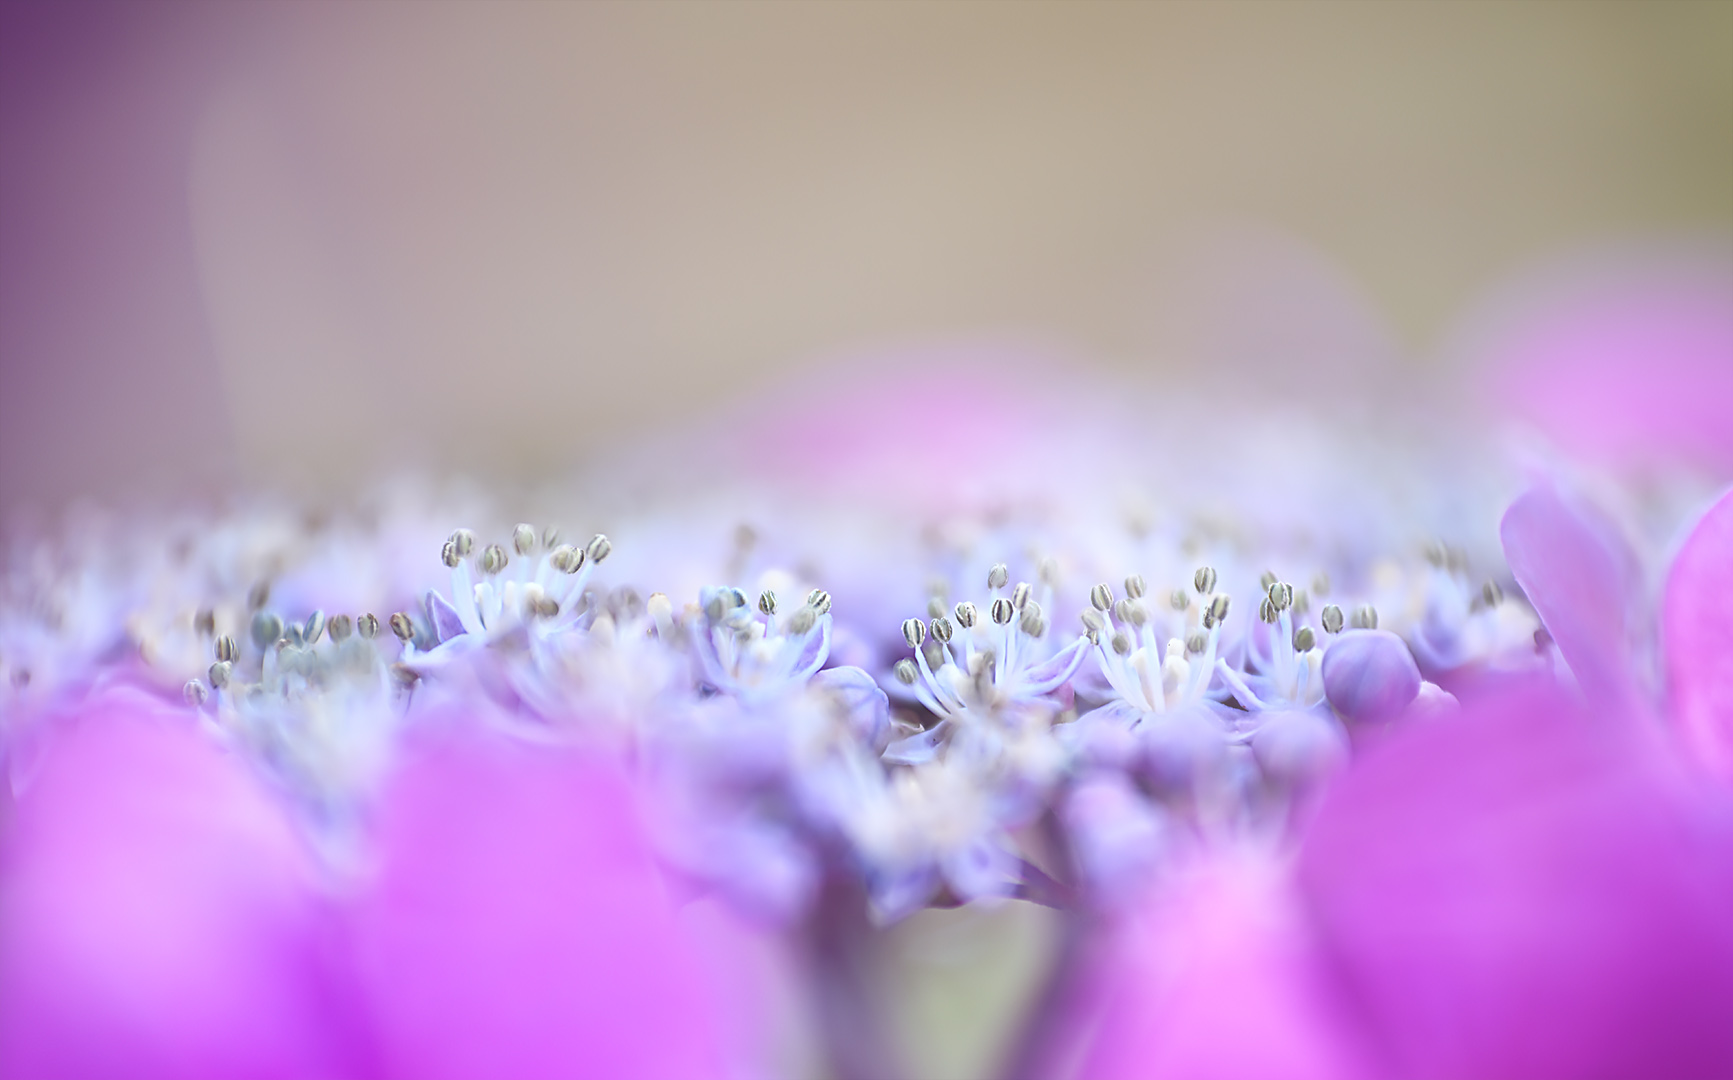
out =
column 1101, row 597
column 1002, row 611
column 538, row 604
column 550, row 536
column 1178, row 600
column 449, row 556
column 802, row 620
column 1204, row 581
column 1281, row 595
column 914, row 632
column 402, row 627
column 1219, row 607
column 314, row 628
column 1332, row 619
column 1304, row 639
column 941, row 629
column 226, row 649
column 1032, row 623
column 523, row 538
column 367, row 625
column 599, row 548
column 1197, row 642
column 767, row 602
column 1135, row 586
column 464, row 541
column 1092, row 621
column 266, row 629
column 1020, row 595
column 195, row 693
column 966, row 615
column 340, row 627
column 566, row 559
column 1266, row 610
column 1365, row 617
column 819, row 601
column 906, row 672
column 998, row 576
column 220, row 673
column 493, row 559
column 1122, row 643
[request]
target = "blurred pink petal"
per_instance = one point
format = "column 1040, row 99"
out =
column 1635, row 370
column 1581, row 580
column 1221, row 979
column 1520, row 893
column 158, row 915
column 517, row 927
column 1698, row 627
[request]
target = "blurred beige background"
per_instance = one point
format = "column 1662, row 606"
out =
column 301, row 243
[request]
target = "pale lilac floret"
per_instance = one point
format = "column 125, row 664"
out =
column 1369, row 676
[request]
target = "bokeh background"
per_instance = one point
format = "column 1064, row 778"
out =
column 301, row 244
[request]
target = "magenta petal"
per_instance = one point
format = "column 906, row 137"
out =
column 1518, row 893
column 1698, row 624
column 517, row 927
column 1221, row 979
column 1580, row 578
column 158, row 915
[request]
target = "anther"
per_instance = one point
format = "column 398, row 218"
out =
column 1197, row 642
column 539, row 604
column 205, row 623
column 550, row 536
column 914, row 632
column 998, row 576
column 367, row 625
column 1491, row 594
column 598, row 548
column 819, row 601
column 266, row 629
column 1304, row 639
column 1032, row 623
column 966, row 615
column 935, row 607
column 906, row 672
column 314, row 628
column 566, row 559
column 1219, row 608
column 464, row 541
column 1178, row 600
column 1204, row 581
column 802, row 621
column 402, row 627
column 258, row 596
column 767, row 602
column 934, row 652
column 449, row 556
column 1122, row 643
column 195, row 693
column 1267, row 578
column 1281, row 595
column 493, row 559
column 1332, row 619
column 1101, row 597
column 1020, row 595
column 1320, row 583
column 340, row 627
column 523, row 538
column 227, row 650
column 1135, row 587
column 1266, row 610
column 220, row 672
column 1002, row 611
column 1365, row 617
column 1302, row 602
column 941, row 629
column 1092, row 621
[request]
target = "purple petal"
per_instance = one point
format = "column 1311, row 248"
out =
column 446, row 622
column 1517, row 893
column 159, row 917
column 1698, row 623
column 1370, row 676
column 1580, row 577
column 1300, row 749
column 1052, row 673
column 869, row 710
column 517, row 928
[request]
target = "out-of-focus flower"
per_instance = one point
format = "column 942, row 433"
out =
column 1698, row 638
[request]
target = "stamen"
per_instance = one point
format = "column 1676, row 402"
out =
column 367, row 625
column 566, row 559
column 1436, row 553
column 1281, row 595
column 767, row 602
column 220, row 672
column 1048, row 571
column 449, row 556
column 1178, row 600
column 1491, row 594
column 599, row 548
column 802, row 621
column 819, row 601
column 314, row 628
column 1304, row 639
column 966, row 615
column 550, row 536
column 340, row 627
column 464, row 541
column 1134, row 586
column 935, row 607
column 1320, row 583
column 1032, row 623
column 1020, row 595
column 258, row 596
column 1122, row 643
column 1332, row 619
column 195, row 693
column 914, row 632
column 1196, row 642
column 1266, row 610
column 1092, row 621
column 227, row 650
column 1302, row 602
column 402, row 627
column 493, row 559
column 1365, row 617
column 205, row 622
column 998, row 576
column 941, row 629
column 1267, row 578
column 906, row 673
column 266, row 629
column 1101, row 597
column 1002, row 611
column 1204, row 581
